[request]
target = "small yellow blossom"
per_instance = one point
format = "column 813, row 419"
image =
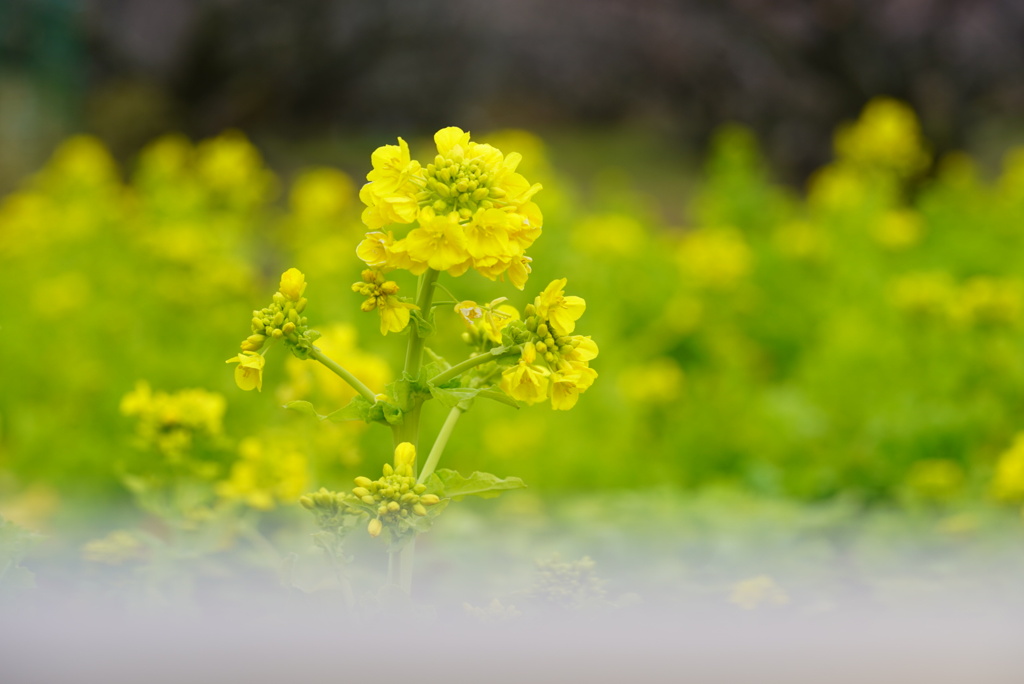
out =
column 249, row 371
column 560, row 310
column 566, row 386
column 380, row 295
column 526, row 381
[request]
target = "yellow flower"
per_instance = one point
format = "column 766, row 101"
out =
column 567, row 386
column 249, row 371
column 562, row 312
column 439, row 242
column 392, row 167
column 526, row 381
column 380, row 295
column 387, row 208
column 473, row 209
column 293, row 284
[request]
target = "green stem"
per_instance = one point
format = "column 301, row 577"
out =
column 424, row 295
column 405, row 559
column 473, row 361
column 337, row 369
column 439, row 444
column 400, row 562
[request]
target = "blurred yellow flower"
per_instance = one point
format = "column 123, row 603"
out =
column 715, row 258
column 659, row 381
column 320, row 194
column 750, row 593
column 1008, row 482
column 898, row 229
column 266, row 474
column 886, row 135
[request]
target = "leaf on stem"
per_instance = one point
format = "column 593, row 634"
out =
column 455, row 486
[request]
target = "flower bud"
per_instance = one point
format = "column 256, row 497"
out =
column 429, row 499
column 418, row 509
column 293, row 284
column 394, row 506
column 419, row 489
column 405, row 454
column 375, row 527
column 363, row 481
column 361, row 492
column 368, row 500
column 306, row 502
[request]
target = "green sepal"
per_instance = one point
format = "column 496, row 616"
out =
column 455, row 486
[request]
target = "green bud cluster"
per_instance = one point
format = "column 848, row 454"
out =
column 549, row 346
column 458, row 185
column 329, row 508
column 394, row 499
column 282, row 320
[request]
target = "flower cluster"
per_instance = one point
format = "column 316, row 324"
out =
column 552, row 360
column 467, row 209
column 381, row 295
column 171, row 423
column 394, row 501
column 282, row 320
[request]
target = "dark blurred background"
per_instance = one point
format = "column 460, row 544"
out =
column 306, row 70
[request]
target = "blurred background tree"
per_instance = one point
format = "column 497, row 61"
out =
column 312, row 69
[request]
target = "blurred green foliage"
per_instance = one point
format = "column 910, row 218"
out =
column 863, row 338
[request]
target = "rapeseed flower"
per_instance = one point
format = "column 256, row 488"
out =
column 249, row 371
column 467, row 209
column 381, row 295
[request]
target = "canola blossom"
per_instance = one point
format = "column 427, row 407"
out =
column 469, row 208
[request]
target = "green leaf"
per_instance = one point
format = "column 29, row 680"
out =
column 357, row 409
column 452, row 397
column 498, row 396
column 485, row 485
column 305, row 408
